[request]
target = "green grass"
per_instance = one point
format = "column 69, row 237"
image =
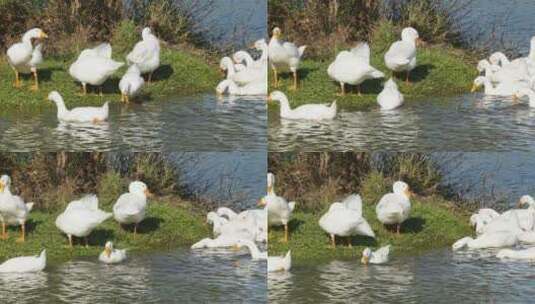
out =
column 181, row 72
column 431, row 225
column 441, row 71
column 166, row 225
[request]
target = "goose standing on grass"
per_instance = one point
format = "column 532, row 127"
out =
column 80, row 114
column 401, row 56
column 24, row 58
column 394, row 208
column 284, row 54
column 526, row 92
column 378, row 257
column 280, row 263
column 256, row 254
column 110, row 255
column 524, row 254
column 81, row 217
column 25, row 264
column 306, row 112
column 94, row 67
column 13, row 210
column 146, row 53
column 345, row 220
column 507, row 88
column 131, row 207
column 131, row 83
column 353, row 67
column 279, row 211
column 252, row 88
column 390, row 97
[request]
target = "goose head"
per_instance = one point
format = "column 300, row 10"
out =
column 35, row 33
column 211, row 217
column 526, row 200
column 108, row 248
column 366, row 254
column 146, row 33
column 139, row 188
column 5, row 181
column 402, row 188
column 276, row 33
column 478, row 82
column 498, row 58
column 277, row 96
column 409, row 34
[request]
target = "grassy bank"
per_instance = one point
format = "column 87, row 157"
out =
column 181, row 73
column 169, row 223
column 431, row 225
column 440, row 72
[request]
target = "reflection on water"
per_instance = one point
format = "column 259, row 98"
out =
column 467, row 277
column 181, row 276
column 198, row 123
column 464, row 123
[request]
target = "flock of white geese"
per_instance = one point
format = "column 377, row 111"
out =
column 79, row 219
column 501, row 76
column 350, row 67
column 92, row 67
column 343, row 220
column 514, row 227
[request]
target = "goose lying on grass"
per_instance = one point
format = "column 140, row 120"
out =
column 80, row 114
column 24, row 58
column 279, row 263
column 24, row 264
column 110, row 255
column 390, row 98
column 353, row 67
column 81, row 217
column 305, row 112
column 131, row 83
column 131, row 207
column 13, row 210
column 146, row 54
column 394, row 208
column 401, row 56
column 284, row 54
column 380, row 256
column 345, row 220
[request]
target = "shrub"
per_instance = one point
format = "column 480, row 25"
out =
column 124, row 37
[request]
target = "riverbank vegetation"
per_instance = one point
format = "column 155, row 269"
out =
column 445, row 63
column 315, row 180
column 75, row 25
column 52, row 180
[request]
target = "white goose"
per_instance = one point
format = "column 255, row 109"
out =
column 524, row 254
column 394, row 208
column 222, row 241
column 518, row 69
column 81, row 217
column 279, row 211
column 380, row 256
column 227, row 212
column 24, row 58
column 13, row 210
column 497, row 74
column 390, row 98
column 256, row 254
column 131, row 83
column 94, row 67
column 482, row 218
column 306, row 112
column 252, row 88
column 131, row 207
column 24, row 264
column 146, row 53
column 401, row 56
column 345, row 219
column 487, row 240
column 216, row 221
column 284, row 54
column 262, row 46
column 80, row 114
column 280, row 263
column 526, row 92
column 353, row 67
column 502, row 89
column 110, row 255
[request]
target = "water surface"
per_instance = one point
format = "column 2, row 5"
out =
column 470, row 122
column 195, row 123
